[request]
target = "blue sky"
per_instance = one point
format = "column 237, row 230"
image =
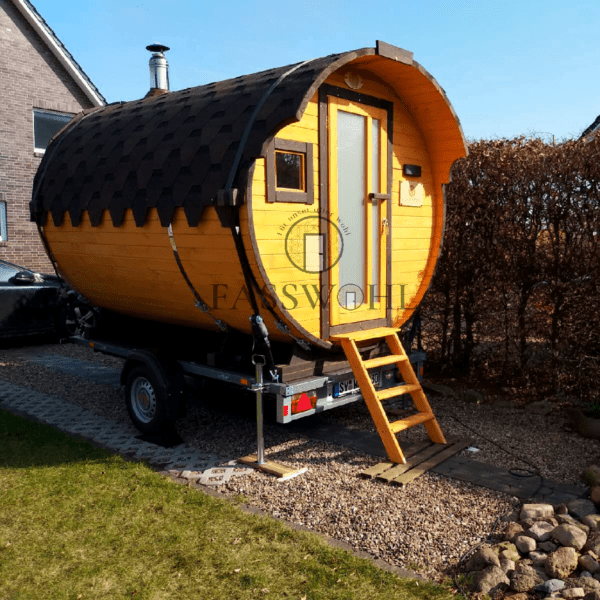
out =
column 509, row 68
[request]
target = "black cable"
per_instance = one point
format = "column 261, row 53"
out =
column 532, row 472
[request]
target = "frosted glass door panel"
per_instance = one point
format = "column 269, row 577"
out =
column 351, row 131
column 375, row 218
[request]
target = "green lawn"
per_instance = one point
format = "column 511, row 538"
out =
column 77, row 522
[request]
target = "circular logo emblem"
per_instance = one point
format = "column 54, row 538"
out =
column 305, row 244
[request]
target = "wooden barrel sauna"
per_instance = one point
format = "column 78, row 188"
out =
column 318, row 185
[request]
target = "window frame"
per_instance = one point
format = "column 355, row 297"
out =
column 3, row 220
column 275, row 194
column 43, row 111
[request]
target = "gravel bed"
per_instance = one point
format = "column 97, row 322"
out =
column 426, row 526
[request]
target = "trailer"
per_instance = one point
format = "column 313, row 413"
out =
column 295, row 214
column 151, row 387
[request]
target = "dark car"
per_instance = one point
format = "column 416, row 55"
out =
column 30, row 303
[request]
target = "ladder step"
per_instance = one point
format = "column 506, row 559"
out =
column 397, row 391
column 368, row 334
column 382, row 361
column 411, row 421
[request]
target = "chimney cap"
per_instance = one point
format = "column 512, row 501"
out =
column 157, row 48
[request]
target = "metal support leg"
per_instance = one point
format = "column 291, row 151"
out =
column 258, row 462
column 259, row 362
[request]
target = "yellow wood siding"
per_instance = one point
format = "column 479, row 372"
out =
column 132, row 270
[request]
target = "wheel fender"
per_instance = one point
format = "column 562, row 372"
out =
column 169, row 376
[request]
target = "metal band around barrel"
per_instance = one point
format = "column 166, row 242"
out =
column 199, row 302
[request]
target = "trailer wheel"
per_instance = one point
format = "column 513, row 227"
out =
column 146, row 400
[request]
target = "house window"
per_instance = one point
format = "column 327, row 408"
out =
column 290, row 176
column 45, row 125
column 3, row 228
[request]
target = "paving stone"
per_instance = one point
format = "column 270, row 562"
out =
column 84, row 369
column 222, row 473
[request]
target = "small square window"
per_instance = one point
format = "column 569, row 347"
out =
column 290, row 176
column 3, row 227
column 45, row 126
column 289, row 170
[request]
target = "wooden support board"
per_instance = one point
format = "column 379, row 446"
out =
column 420, row 458
column 282, row 472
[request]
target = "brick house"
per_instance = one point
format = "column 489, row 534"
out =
column 42, row 88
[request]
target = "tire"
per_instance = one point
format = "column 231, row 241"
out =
column 79, row 319
column 146, row 401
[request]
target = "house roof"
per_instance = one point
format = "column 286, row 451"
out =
column 180, row 149
column 593, row 128
column 59, row 50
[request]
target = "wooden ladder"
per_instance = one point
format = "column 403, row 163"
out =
column 387, row 431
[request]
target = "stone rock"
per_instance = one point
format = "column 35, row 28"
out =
column 561, row 509
column 541, row 571
column 512, row 531
column 591, row 475
column 561, row 563
column 472, row 396
column 507, row 565
column 525, row 544
column 491, row 580
column 593, row 542
column 569, row 535
column 580, row 508
column 517, row 596
column 507, row 550
column 573, row 593
column 592, row 521
column 482, row 558
column 536, row 511
column 592, row 596
column 568, row 520
column 589, row 584
column 584, row 424
column 589, row 563
column 538, row 558
column 509, row 517
column 585, row 574
column 547, row 546
column 524, row 578
column 550, row 586
column 527, row 523
column 543, row 407
column 540, row 531
column 595, row 494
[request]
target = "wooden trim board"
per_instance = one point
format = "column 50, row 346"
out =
column 282, row 472
column 420, row 459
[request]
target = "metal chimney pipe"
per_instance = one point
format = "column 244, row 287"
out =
column 159, row 67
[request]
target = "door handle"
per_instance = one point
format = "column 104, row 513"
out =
column 374, row 196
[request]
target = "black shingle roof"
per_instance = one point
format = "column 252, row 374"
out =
column 592, row 128
column 172, row 150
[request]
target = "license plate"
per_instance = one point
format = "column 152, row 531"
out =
column 350, row 386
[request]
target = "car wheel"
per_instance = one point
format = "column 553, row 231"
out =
column 80, row 320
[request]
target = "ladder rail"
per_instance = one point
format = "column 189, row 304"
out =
column 387, row 430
